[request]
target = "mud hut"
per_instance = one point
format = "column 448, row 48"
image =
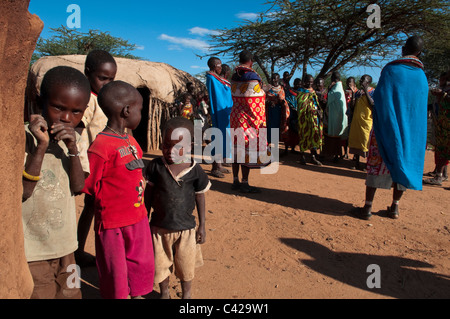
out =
column 19, row 31
column 159, row 84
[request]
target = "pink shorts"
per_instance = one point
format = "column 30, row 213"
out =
column 125, row 261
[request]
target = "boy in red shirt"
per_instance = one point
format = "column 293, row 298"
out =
column 124, row 249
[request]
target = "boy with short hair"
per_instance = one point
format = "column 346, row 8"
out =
column 54, row 172
column 176, row 185
column 124, row 250
column 100, row 69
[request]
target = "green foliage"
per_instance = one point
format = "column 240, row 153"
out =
column 67, row 41
column 436, row 56
column 329, row 34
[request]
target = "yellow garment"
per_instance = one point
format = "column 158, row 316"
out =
column 361, row 125
column 187, row 111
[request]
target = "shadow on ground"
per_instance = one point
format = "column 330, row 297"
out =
column 400, row 278
column 295, row 200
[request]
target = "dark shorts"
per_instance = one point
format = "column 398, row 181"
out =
column 55, row 278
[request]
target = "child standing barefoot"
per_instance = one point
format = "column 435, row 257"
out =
column 176, row 185
column 54, row 172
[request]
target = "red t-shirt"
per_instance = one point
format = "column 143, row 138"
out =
column 116, row 181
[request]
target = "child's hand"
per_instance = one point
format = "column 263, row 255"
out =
column 65, row 133
column 201, row 235
column 39, row 128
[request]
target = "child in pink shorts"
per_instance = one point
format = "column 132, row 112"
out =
column 123, row 242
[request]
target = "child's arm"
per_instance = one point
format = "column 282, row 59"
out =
column 201, row 232
column 76, row 175
column 38, row 127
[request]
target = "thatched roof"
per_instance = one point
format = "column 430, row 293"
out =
column 163, row 85
column 164, row 81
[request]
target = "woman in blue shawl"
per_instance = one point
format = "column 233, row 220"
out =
column 221, row 101
column 398, row 141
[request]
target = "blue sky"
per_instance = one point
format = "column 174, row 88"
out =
column 173, row 32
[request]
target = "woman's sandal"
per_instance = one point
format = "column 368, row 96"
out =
column 358, row 212
column 236, row 186
column 247, row 189
column 302, row 160
column 223, row 170
column 391, row 214
column 433, row 181
column 217, row 173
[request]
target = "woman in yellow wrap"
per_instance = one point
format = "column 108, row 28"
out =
column 358, row 141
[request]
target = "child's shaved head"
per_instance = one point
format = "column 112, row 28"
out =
column 64, row 76
column 114, row 96
column 178, row 122
column 98, row 57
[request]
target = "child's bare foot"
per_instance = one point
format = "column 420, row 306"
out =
column 165, row 295
column 186, row 288
column 164, row 289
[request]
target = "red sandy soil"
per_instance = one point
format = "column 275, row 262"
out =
column 297, row 240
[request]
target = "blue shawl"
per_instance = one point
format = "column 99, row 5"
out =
column 221, row 103
column 400, row 120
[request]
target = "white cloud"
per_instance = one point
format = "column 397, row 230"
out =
column 202, row 31
column 199, row 67
column 174, row 47
column 140, row 47
column 247, row 16
column 186, row 42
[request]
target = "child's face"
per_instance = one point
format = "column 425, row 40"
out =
column 65, row 104
column 176, row 145
column 104, row 74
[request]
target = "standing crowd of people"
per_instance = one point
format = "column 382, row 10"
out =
column 144, row 221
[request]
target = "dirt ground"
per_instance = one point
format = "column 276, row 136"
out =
column 297, row 240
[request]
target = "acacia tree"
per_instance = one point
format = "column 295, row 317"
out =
column 328, row 34
column 436, row 55
column 65, row 41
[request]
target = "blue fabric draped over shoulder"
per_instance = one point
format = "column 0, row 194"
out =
column 244, row 74
column 400, row 122
column 221, row 102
